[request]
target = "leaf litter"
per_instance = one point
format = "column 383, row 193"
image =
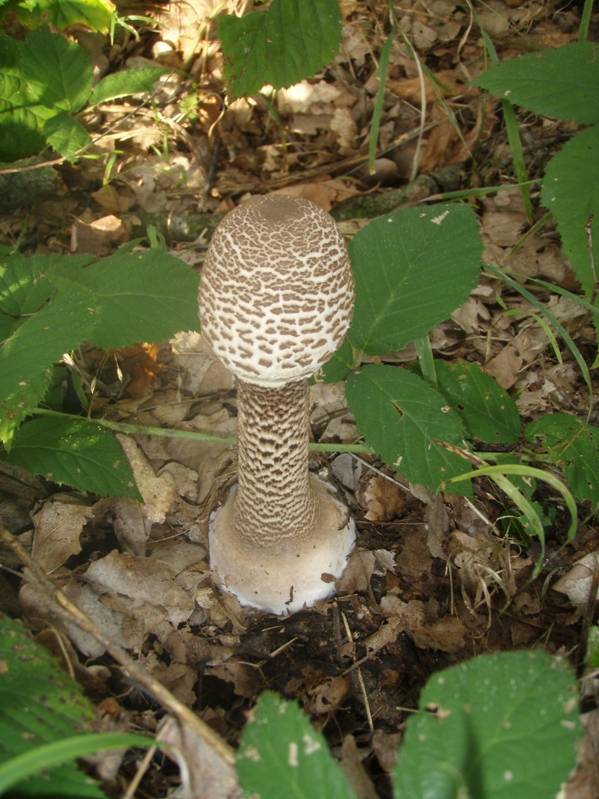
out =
column 430, row 582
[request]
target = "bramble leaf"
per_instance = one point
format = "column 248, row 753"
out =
column 408, row 424
column 289, row 41
column 412, row 269
column 559, row 83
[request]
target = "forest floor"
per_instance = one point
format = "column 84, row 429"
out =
column 433, row 580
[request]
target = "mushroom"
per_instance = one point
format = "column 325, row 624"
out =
column 276, row 300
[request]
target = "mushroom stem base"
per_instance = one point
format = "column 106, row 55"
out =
column 285, row 579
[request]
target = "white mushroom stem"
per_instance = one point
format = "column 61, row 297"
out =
column 275, row 500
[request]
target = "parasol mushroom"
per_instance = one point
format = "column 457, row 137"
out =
column 276, row 300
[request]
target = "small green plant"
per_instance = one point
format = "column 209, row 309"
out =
column 45, row 723
column 562, row 83
column 46, row 80
column 50, row 305
column 499, row 725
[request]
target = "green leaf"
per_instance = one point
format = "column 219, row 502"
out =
column 570, row 193
column 97, row 15
column 339, row 365
column 42, row 339
column 76, row 452
column 290, row 41
column 126, row 82
column 19, row 124
column 502, row 726
column 141, row 297
column 57, row 73
column 281, row 754
column 412, row 269
column 39, row 703
column 24, row 284
column 46, row 756
column 65, row 135
column 573, row 445
column 16, row 406
column 559, row 83
column 406, row 422
column 488, row 411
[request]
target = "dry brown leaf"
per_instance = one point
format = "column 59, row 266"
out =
column 58, row 526
column 159, row 493
column 203, row 772
column 576, row 583
column 356, row 575
column 144, row 581
column 584, row 781
column 99, row 236
column 351, row 763
column 381, row 499
column 504, row 366
column 327, row 695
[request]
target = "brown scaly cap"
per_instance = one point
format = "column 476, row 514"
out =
column 276, row 292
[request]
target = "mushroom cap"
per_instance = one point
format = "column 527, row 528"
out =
column 276, row 293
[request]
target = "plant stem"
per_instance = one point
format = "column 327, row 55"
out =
column 191, row 435
column 585, row 21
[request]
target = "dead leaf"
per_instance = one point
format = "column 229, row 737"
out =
column 351, row 763
column 142, row 581
column 203, row 771
column 327, row 695
column 356, row 575
column 504, row 367
column 58, row 526
column 381, row 498
column 576, row 583
column 584, row 781
column 159, row 493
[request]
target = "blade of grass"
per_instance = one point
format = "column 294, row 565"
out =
column 377, row 112
column 18, row 768
column 498, row 475
column 585, row 20
column 483, row 191
column 567, row 339
column 513, row 134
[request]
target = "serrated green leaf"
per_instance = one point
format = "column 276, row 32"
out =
column 141, row 297
column 570, row 193
column 407, row 422
column 573, row 445
column 25, row 283
column 412, row 269
column 19, row 124
column 76, row 452
column 97, row 15
column 39, row 703
column 281, row 754
column 488, row 411
column 559, row 83
column 504, row 726
column 15, row 407
column 65, row 135
column 57, row 73
column 43, row 339
column 290, row 41
column 126, row 82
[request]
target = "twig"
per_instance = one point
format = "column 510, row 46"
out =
column 73, row 614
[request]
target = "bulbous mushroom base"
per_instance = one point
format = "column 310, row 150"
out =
column 294, row 575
